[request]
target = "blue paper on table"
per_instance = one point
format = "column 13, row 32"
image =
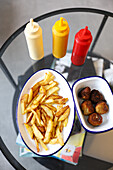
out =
column 69, row 153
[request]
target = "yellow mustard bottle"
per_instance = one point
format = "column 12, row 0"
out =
column 60, row 33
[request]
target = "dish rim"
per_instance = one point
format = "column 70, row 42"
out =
column 18, row 105
column 85, row 127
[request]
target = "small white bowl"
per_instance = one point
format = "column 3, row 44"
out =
column 64, row 91
column 98, row 83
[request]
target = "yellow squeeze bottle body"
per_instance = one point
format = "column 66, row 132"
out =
column 60, row 33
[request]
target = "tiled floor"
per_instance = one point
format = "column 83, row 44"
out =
column 15, row 13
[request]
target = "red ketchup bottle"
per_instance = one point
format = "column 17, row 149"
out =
column 81, row 45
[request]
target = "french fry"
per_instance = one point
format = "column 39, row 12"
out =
column 43, row 112
column 53, row 100
column 59, row 107
column 35, row 92
column 33, row 119
column 51, row 91
column 28, row 108
column 61, row 101
column 42, row 90
column 36, row 86
column 37, row 144
column 60, row 126
column 47, row 87
column 51, row 82
column 51, row 107
column 65, row 122
column 48, row 111
column 53, row 133
column 49, row 126
column 59, row 136
column 48, row 131
column 56, row 118
column 48, row 101
column 42, row 144
column 55, row 121
column 47, row 137
column 55, row 93
column 42, row 123
column 29, row 117
column 36, row 132
column 37, row 116
column 53, row 96
column 48, row 77
column 40, row 96
column 41, row 128
column 62, row 110
column 29, row 129
column 53, row 141
column 43, row 99
column 31, row 107
column 25, row 98
column 22, row 104
column 65, row 115
column 30, row 95
column 44, row 119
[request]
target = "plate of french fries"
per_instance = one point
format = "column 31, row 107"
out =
column 45, row 112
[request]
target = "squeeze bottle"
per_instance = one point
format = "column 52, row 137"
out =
column 60, row 32
column 33, row 34
column 81, row 46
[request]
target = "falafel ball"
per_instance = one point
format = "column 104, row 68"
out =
column 85, row 93
column 95, row 119
column 96, row 96
column 101, row 107
column 87, row 107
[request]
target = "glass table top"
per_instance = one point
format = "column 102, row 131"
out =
column 19, row 67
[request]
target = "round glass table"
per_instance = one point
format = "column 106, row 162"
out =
column 17, row 67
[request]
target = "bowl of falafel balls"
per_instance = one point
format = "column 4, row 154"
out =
column 94, row 103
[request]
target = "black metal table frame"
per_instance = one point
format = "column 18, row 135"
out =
column 85, row 160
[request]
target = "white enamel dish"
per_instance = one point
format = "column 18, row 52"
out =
column 65, row 91
column 102, row 85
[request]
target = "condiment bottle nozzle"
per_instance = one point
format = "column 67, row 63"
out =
column 31, row 23
column 85, row 30
column 61, row 21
